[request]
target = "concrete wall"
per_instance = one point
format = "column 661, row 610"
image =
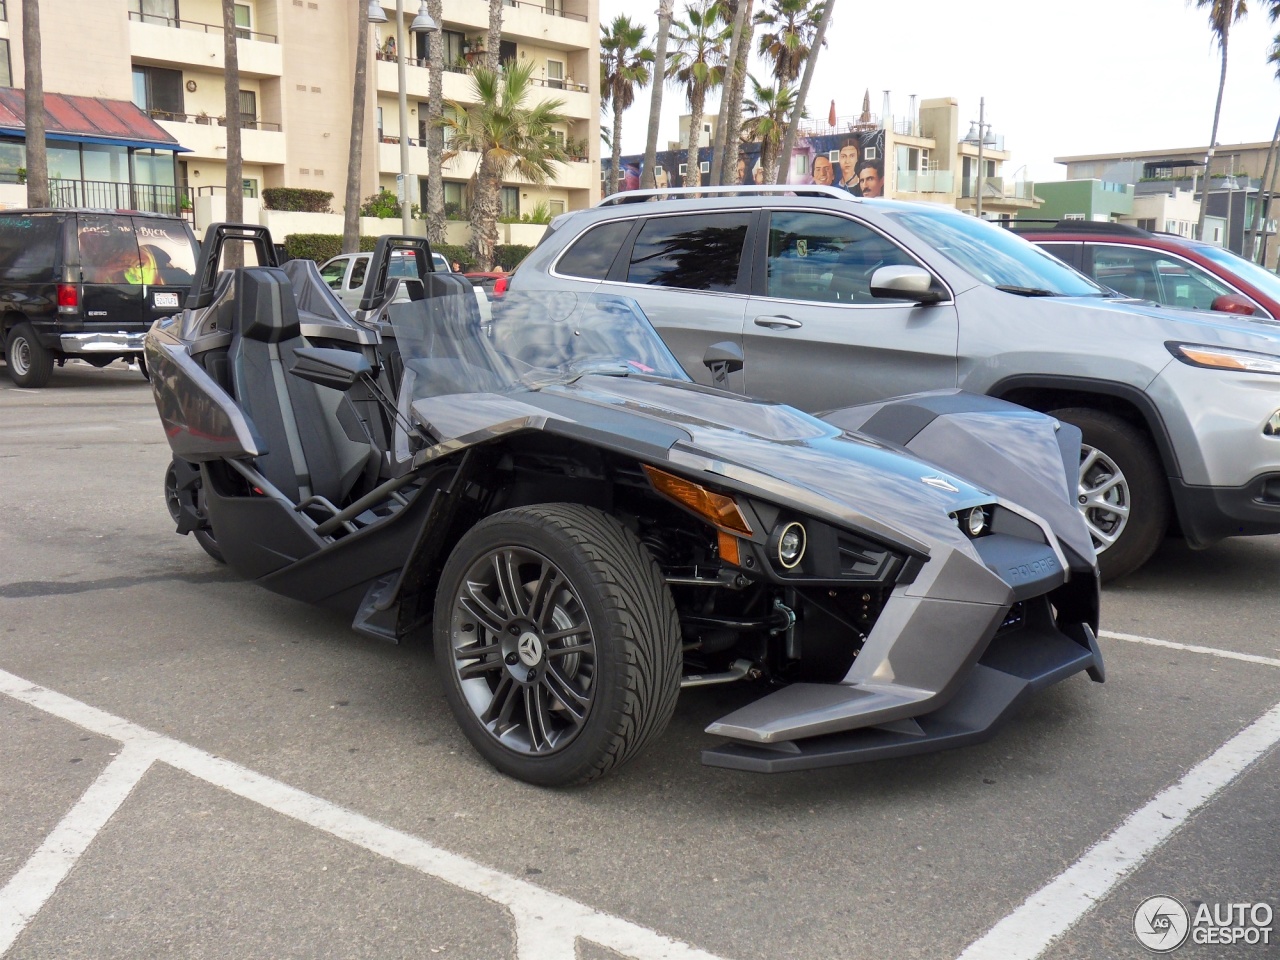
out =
column 71, row 65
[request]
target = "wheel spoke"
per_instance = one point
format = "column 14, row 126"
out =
column 1089, row 460
column 498, row 713
column 1104, row 539
column 538, row 717
column 508, row 578
column 478, row 669
column 475, row 651
column 574, row 631
column 480, row 607
column 1109, row 484
column 574, row 700
column 541, row 606
column 554, row 652
column 1104, row 506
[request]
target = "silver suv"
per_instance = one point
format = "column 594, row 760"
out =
column 821, row 300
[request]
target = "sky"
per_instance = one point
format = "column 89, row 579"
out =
column 1059, row 79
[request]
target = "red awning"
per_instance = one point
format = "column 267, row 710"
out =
column 86, row 120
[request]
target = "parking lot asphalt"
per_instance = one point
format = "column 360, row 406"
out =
column 191, row 766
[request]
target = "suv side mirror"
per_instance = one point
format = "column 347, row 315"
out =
column 330, row 367
column 905, row 283
column 722, row 359
column 1233, row 303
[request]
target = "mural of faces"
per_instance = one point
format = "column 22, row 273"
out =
column 871, row 178
column 824, row 173
column 850, row 153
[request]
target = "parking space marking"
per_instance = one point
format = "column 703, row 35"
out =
column 1048, row 913
column 32, row 886
column 547, row 925
column 1192, row 648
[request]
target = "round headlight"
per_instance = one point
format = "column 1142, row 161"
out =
column 976, row 522
column 791, row 543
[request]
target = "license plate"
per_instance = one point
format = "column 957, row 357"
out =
column 166, row 300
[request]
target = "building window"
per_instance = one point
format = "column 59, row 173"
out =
column 6, row 75
column 555, row 74
column 555, row 207
column 162, row 12
column 159, row 92
column 510, row 202
column 1073, row 216
column 1147, row 224
column 684, row 168
column 248, row 109
column 250, row 187
column 704, row 166
column 453, row 57
column 244, row 21
column 4, row 10
column 455, row 200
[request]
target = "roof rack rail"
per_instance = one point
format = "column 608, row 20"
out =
column 738, row 190
column 1078, row 226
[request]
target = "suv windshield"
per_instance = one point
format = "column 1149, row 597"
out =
column 530, row 340
column 1264, row 280
column 997, row 257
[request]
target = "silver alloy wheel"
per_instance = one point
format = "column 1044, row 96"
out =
column 524, row 651
column 19, row 356
column 1103, row 497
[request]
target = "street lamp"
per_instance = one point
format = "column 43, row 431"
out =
column 422, row 23
column 978, row 133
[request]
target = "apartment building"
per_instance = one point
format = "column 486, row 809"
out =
column 296, row 68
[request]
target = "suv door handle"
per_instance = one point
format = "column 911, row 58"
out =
column 778, row 323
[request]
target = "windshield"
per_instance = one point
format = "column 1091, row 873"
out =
column 524, row 341
column 1264, row 280
column 998, row 257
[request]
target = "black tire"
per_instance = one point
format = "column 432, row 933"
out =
column 1114, row 447
column 177, row 495
column 606, row 636
column 30, row 364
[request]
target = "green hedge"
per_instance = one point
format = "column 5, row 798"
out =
column 324, row 246
column 297, row 200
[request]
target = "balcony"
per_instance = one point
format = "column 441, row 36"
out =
column 206, row 137
column 550, row 25
column 165, row 40
column 937, row 181
column 106, row 195
column 577, row 100
column 574, row 175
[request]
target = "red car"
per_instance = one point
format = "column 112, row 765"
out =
column 1161, row 267
column 493, row 284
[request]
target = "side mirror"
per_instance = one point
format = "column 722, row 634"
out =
column 1233, row 303
column 905, row 283
column 722, row 359
column 330, row 367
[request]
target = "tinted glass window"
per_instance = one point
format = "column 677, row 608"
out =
column 1152, row 275
column 358, row 270
column 167, row 252
column 109, row 252
column 696, row 252
column 591, row 255
column 816, row 256
column 333, row 272
column 29, row 247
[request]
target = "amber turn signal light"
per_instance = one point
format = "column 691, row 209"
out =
column 717, row 508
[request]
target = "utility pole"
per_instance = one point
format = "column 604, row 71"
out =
column 982, row 136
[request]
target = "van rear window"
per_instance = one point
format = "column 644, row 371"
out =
column 29, row 247
column 135, row 250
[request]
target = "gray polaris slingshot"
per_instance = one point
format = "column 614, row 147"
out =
column 586, row 532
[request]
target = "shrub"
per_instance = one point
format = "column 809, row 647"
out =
column 452, row 253
column 509, row 255
column 297, row 200
column 382, row 205
column 313, row 246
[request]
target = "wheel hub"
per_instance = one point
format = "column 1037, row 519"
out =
column 529, row 649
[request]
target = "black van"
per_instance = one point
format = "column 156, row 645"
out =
column 87, row 285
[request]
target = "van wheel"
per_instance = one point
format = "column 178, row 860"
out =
column 30, row 364
column 1122, row 490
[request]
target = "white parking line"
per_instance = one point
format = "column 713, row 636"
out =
column 1192, row 648
column 1047, row 914
column 547, row 925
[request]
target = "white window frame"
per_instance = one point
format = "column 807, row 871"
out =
column 555, row 83
column 704, row 166
column 684, row 169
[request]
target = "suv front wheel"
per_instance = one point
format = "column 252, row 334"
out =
column 1122, row 490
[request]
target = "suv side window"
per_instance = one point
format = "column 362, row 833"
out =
column 30, row 247
column 358, row 269
column 1151, row 275
column 700, row 251
column 109, row 252
column 827, row 259
column 592, row 254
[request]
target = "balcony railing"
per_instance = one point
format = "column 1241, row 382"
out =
column 551, row 9
column 104, row 195
column 467, row 68
column 175, row 23
column 996, row 188
column 246, row 123
column 820, row 127
column 936, row 181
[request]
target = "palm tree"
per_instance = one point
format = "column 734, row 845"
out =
column 737, row 82
column 1222, row 14
column 493, row 39
column 510, row 137
column 737, row 13
column 789, row 29
column 769, row 106
column 355, row 155
column 234, row 256
column 1260, row 207
column 624, row 65
column 661, row 75
column 819, row 40
column 435, row 132
column 37, row 152
column 698, row 64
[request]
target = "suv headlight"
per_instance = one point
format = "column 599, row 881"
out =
column 1224, row 358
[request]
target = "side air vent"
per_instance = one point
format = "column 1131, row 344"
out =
column 861, row 560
